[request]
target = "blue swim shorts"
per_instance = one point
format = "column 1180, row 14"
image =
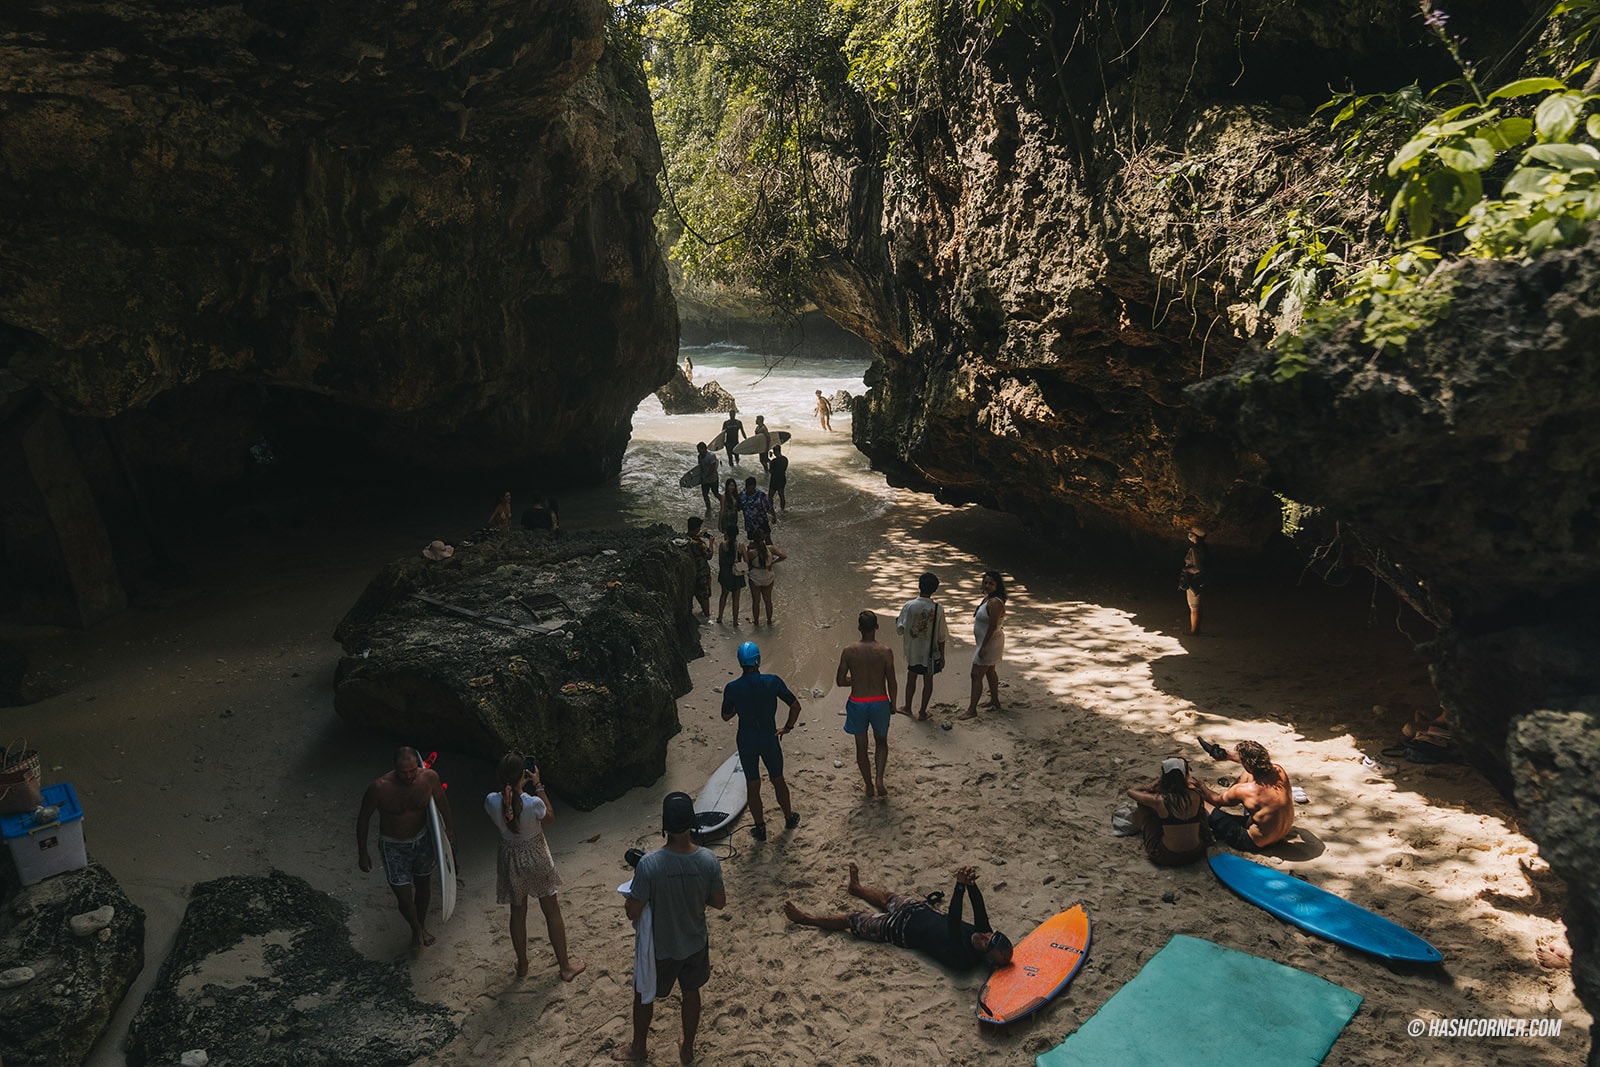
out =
column 867, row 711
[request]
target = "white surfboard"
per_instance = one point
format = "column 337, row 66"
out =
column 447, row 862
column 721, row 801
column 761, row 442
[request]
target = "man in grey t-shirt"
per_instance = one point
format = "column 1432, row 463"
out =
column 678, row 883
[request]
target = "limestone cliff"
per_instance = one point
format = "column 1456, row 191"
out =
column 424, row 232
column 1050, row 259
column 1464, row 469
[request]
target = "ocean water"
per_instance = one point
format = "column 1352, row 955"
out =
column 829, row 480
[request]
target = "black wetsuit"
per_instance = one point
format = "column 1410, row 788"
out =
column 945, row 937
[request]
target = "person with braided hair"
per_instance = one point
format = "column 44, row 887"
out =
column 524, row 867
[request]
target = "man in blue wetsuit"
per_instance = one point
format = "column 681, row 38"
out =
column 913, row 922
column 753, row 697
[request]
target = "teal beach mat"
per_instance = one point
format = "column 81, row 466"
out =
column 1192, row 1002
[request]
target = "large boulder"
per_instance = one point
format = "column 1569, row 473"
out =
column 679, row 397
column 70, row 947
column 572, row 649
column 308, row 238
column 262, row 974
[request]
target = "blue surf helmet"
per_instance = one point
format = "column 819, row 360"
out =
column 749, row 654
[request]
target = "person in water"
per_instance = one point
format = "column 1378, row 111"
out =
column 824, row 412
column 914, row 923
column 732, row 434
column 778, row 478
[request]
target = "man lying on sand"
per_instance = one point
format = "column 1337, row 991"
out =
column 1263, row 788
column 911, row 922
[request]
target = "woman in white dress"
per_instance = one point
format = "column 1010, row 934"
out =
column 989, row 634
column 524, row 867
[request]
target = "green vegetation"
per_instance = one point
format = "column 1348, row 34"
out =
column 745, row 92
column 1506, row 174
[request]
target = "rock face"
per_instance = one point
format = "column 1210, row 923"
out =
column 679, row 397
column 439, row 216
column 1464, row 469
column 1075, row 249
column 416, row 238
column 570, row 649
column 262, row 974
column 58, row 987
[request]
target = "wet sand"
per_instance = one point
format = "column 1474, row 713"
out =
column 201, row 737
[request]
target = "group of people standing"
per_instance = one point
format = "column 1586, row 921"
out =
column 743, row 561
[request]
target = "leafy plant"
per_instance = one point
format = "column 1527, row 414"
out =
column 1507, row 174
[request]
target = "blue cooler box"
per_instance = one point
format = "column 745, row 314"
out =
column 42, row 849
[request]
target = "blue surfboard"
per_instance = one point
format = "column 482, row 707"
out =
column 1321, row 912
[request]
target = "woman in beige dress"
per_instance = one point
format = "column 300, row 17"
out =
column 524, row 867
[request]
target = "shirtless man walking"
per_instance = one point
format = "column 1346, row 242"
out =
column 401, row 800
column 1263, row 788
column 868, row 669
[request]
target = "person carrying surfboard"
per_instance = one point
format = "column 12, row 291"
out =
column 401, row 798
column 732, row 433
column 1264, row 790
column 753, row 697
column 706, row 463
column 914, row 922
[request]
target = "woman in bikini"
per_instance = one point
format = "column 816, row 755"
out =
column 1171, row 817
column 762, row 555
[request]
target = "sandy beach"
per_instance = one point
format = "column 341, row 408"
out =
column 200, row 734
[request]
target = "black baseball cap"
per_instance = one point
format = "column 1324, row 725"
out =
column 677, row 813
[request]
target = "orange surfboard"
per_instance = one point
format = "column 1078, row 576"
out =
column 1041, row 966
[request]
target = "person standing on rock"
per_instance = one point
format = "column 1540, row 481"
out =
column 677, row 884
column 688, row 369
column 524, row 867
column 500, row 517
column 921, row 624
column 401, row 800
column 753, row 698
column 778, row 477
column 824, row 412
column 706, row 462
column 732, row 434
column 867, row 667
column 1192, row 578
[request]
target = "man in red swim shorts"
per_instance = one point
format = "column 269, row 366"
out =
column 868, row 669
